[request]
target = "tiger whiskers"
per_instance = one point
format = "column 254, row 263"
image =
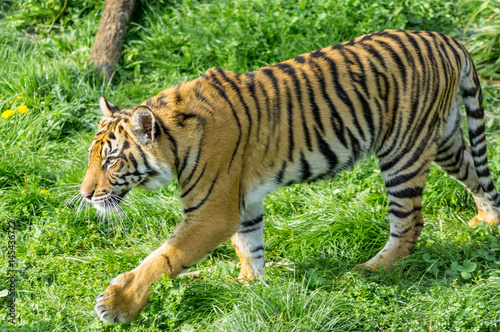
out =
column 74, row 197
column 110, row 215
column 111, row 211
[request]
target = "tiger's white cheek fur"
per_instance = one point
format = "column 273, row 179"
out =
column 157, row 181
column 163, row 175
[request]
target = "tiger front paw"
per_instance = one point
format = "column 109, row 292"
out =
column 123, row 300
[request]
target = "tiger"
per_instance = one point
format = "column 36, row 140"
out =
column 230, row 139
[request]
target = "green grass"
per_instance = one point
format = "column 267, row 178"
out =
column 314, row 237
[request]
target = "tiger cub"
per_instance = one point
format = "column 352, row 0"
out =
column 230, row 139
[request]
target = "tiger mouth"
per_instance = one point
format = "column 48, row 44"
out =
column 108, row 202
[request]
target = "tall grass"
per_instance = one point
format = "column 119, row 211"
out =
column 315, row 234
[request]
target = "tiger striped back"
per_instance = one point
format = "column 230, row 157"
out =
column 230, row 139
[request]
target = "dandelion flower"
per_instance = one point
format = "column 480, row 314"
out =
column 7, row 114
column 45, row 192
column 20, row 96
column 22, row 109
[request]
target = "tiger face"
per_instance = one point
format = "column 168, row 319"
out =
column 123, row 155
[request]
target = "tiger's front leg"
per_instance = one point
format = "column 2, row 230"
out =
column 198, row 234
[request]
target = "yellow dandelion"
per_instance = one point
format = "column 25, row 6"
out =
column 45, row 192
column 20, row 96
column 7, row 114
column 22, row 109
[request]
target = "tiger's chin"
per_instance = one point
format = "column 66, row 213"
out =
column 100, row 206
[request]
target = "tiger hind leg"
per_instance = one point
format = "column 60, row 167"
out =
column 248, row 243
column 455, row 158
column 404, row 187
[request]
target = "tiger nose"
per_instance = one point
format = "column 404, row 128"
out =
column 87, row 195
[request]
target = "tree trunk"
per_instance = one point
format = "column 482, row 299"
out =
column 108, row 43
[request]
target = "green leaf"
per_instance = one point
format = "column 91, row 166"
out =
column 469, row 266
column 427, row 258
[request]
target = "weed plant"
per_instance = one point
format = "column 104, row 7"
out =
column 315, row 234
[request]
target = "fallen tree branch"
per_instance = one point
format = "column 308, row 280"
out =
column 108, row 47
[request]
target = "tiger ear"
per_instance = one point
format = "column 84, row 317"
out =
column 106, row 107
column 143, row 125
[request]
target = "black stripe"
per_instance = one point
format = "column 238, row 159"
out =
column 341, row 93
column 403, row 178
column 407, row 192
column 120, row 167
column 253, row 222
column 406, row 230
column 276, row 111
column 259, row 248
column 355, row 146
column 416, row 154
column 312, row 100
column 250, row 230
column 458, row 157
column 391, row 203
column 221, row 92
column 279, row 176
column 204, row 100
column 197, row 206
column 336, row 120
column 465, row 176
column 485, row 173
column 325, row 150
column 173, row 143
column 401, row 214
column 184, row 162
column 144, row 158
column 251, row 87
column 177, row 95
column 299, row 59
column 475, row 132
column 235, row 87
column 195, row 182
column 480, row 162
column 447, row 143
column 291, row 142
column 477, row 114
column 193, row 170
column 168, row 261
column 290, row 71
column 132, row 159
column 373, row 51
column 395, row 57
column 356, row 77
column 468, row 92
column 305, row 169
column 395, row 121
column 161, row 99
column 110, row 146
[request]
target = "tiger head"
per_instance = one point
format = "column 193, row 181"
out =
column 125, row 153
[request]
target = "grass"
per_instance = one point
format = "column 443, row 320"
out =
column 315, row 234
